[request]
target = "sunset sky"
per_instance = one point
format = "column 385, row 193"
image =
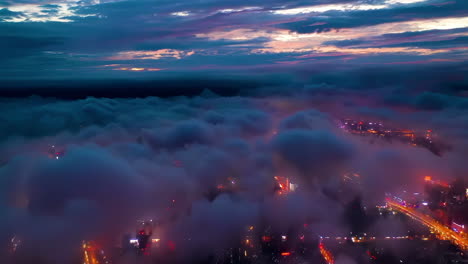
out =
column 158, row 39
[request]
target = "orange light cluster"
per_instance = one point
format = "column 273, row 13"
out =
column 89, row 253
column 284, row 184
column 437, row 182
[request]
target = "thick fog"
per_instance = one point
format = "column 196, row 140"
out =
column 123, row 160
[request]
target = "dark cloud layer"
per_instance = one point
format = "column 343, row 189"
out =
column 316, row 155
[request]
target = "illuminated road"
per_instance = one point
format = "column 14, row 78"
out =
column 442, row 231
column 91, row 255
column 365, row 239
column 326, row 254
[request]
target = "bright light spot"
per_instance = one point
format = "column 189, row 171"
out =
column 181, row 13
column 135, row 69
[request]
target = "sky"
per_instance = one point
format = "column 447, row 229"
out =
column 265, row 41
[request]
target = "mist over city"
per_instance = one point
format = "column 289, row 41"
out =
column 240, row 132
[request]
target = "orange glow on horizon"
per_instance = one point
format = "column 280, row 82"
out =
column 136, row 69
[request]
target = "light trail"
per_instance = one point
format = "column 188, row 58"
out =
column 364, row 239
column 443, row 232
column 91, row 254
column 326, row 254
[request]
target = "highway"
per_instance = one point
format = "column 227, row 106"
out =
column 364, row 239
column 326, row 254
column 91, row 254
column 443, row 232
